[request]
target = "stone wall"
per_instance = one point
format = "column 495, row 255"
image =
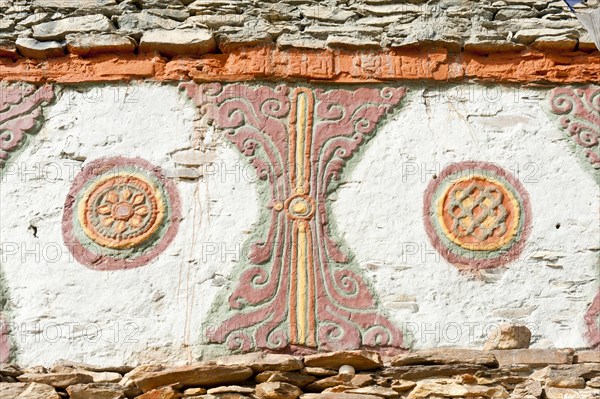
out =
column 521, row 373
column 49, row 28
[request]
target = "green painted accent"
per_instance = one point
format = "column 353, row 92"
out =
column 129, row 253
column 583, row 161
column 473, row 254
column 349, row 167
column 578, row 150
column 5, row 312
column 5, row 303
column 220, row 310
column 4, row 300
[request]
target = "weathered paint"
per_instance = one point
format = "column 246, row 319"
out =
column 592, row 319
column 5, row 343
column 416, row 64
column 120, row 213
column 579, row 111
column 298, row 287
column 20, row 115
column 477, row 215
column 163, row 310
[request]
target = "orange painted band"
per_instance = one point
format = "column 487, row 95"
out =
column 267, row 63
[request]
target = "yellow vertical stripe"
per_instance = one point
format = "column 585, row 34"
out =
column 302, row 280
column 300, row 139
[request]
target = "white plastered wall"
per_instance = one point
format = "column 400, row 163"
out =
column 154, row 313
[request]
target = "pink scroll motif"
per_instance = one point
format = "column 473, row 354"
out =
column 592, row 320
column 256, row 120
column 580, row 118
column 20, row 113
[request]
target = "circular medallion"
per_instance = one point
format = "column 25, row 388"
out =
column 477, row 215
column 120, row 213
column 300, row 207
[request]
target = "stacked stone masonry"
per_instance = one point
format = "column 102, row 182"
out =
column 51, row 28
column 447, row 373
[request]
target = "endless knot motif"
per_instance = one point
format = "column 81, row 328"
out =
column 476, row 215
column 120, row 213
column 299, row 286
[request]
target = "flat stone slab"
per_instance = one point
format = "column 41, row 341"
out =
column 452, row 389
column 145, row 21
column 58, row 30
column 180, row 41
column 567, row 371
column 359, row 359
column 41, row 50
column 431, row 371
column 534, row 357
column 201, row 375
column 566, row 393
column 96, row 391
column 277, row 390
column 297, row 379
column 446, row 356
column 38, row 391
column 57, row 380
column 72, row 4
column 86, row 44
column 587, row 357
column 260, row 362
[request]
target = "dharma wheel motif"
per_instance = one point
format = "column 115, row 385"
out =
column 120, row 213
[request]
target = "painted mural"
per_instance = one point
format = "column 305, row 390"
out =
column 21, row 115
column 300, row 287
column 477, row 215
column 578, row 109
column 121, row 213
column 592, row 319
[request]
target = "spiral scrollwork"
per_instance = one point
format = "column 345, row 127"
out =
column 263, row 123
column 579, row 111
column 239, row 341
column 20, row 115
